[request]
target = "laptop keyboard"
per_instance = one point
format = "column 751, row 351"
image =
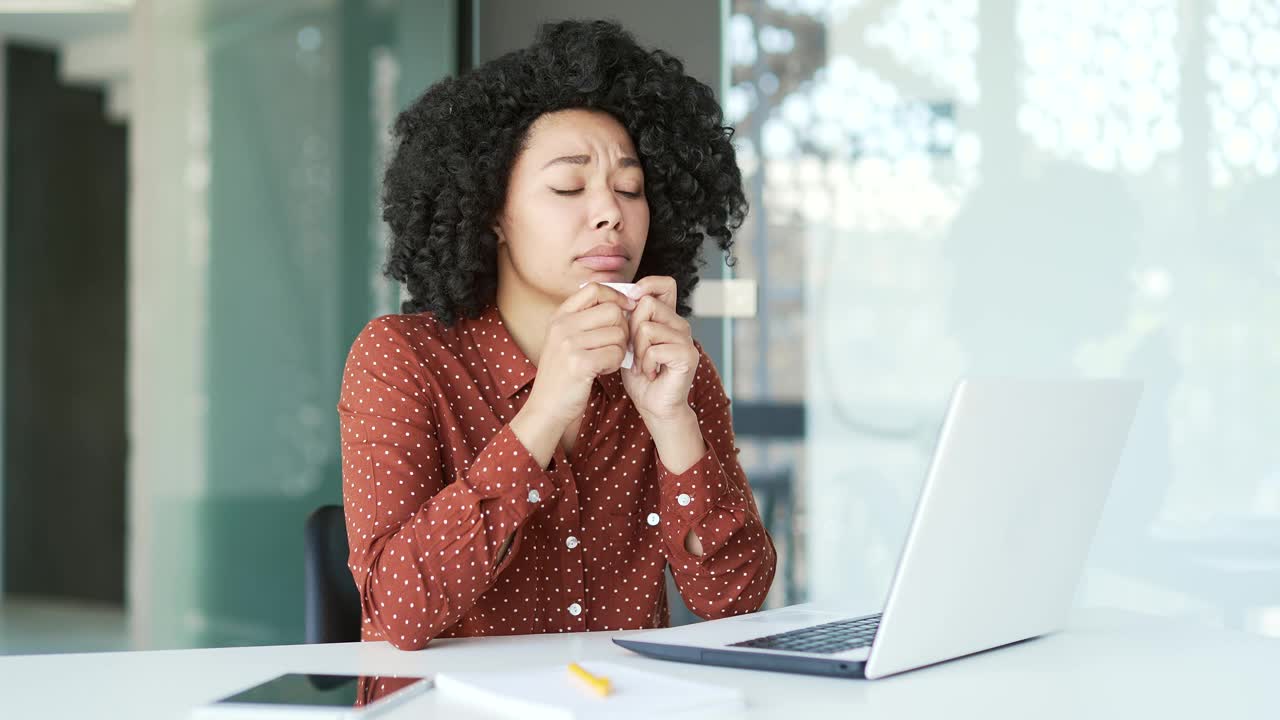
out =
column 832, row 637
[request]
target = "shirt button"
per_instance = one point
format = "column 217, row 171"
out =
column 683, row 499
column 534, row 496
column 575, row 609
column 653, row 518
column 572, row 542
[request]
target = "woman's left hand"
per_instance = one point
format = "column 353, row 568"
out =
column 664, row 356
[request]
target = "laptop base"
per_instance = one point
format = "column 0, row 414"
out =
column 773, row 662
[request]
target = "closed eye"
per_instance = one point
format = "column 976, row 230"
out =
column 578, row 191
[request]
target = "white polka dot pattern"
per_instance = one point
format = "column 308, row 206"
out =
column 435, row 481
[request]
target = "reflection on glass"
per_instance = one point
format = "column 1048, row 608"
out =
column 1243, row 69
column 944, row 188
column 1099, row 85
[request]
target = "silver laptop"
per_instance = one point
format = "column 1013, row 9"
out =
column 994, row 553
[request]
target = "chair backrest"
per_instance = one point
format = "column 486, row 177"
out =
column 333, row 604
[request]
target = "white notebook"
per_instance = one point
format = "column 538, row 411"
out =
column 550, row 692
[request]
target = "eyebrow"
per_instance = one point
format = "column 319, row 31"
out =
column 627, row 161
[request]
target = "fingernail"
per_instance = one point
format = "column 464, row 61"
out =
column 584, row 284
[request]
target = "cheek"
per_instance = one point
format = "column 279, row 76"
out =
column 542, row 230
column 637, row 215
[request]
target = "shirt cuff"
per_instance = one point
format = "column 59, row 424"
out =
column 688, row 499
column 691, row 495
column 506, row 470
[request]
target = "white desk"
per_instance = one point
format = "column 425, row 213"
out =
column 1106, row 665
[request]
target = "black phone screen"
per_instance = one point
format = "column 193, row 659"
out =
column 322, row 690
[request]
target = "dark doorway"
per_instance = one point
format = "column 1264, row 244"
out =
column 64, row 336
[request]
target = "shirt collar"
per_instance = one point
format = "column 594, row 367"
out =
column 508, row 364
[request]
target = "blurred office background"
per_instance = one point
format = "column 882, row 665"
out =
column 191, row 241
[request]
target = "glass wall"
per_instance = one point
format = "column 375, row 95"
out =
column 259, row 134
column 942, row 188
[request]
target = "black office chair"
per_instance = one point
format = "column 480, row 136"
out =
column 333, row 603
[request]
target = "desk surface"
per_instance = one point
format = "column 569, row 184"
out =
column 1106, row 664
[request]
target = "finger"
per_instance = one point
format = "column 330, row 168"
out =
column 663, row 354
column 606, row 360
column 647, row 311
column 605, row 314
column 650, row 308
column 661, row 287
column 613, row 335
column 649, row 336
column 609, row 294
column 594, row 293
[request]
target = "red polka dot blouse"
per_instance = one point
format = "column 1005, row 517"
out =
column 434, row 481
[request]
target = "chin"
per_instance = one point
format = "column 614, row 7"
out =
column 622, row 275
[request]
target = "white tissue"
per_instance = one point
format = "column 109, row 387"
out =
column 625, row 289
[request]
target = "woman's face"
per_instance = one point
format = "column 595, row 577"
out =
column 575, row 208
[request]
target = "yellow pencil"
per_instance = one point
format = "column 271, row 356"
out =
column 598, row 683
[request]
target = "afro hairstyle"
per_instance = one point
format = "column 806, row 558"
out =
column 456, row 145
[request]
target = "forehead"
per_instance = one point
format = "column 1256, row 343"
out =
column 576, row 130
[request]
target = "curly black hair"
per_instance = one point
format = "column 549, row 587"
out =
column 456, row 145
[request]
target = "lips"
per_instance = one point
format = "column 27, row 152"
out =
column 603, row 262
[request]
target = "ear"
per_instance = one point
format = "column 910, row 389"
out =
column 497, row 232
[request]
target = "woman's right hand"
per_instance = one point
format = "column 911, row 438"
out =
column 587, row 337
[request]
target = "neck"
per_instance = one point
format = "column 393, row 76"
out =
column 526, row 314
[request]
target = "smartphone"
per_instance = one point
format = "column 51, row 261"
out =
column 316, row 697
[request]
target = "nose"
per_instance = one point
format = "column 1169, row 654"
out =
column 607, row 213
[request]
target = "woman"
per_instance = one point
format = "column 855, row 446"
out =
column 501, row 473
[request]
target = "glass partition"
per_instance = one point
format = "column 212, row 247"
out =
column 259, row 134
column 951, row 188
